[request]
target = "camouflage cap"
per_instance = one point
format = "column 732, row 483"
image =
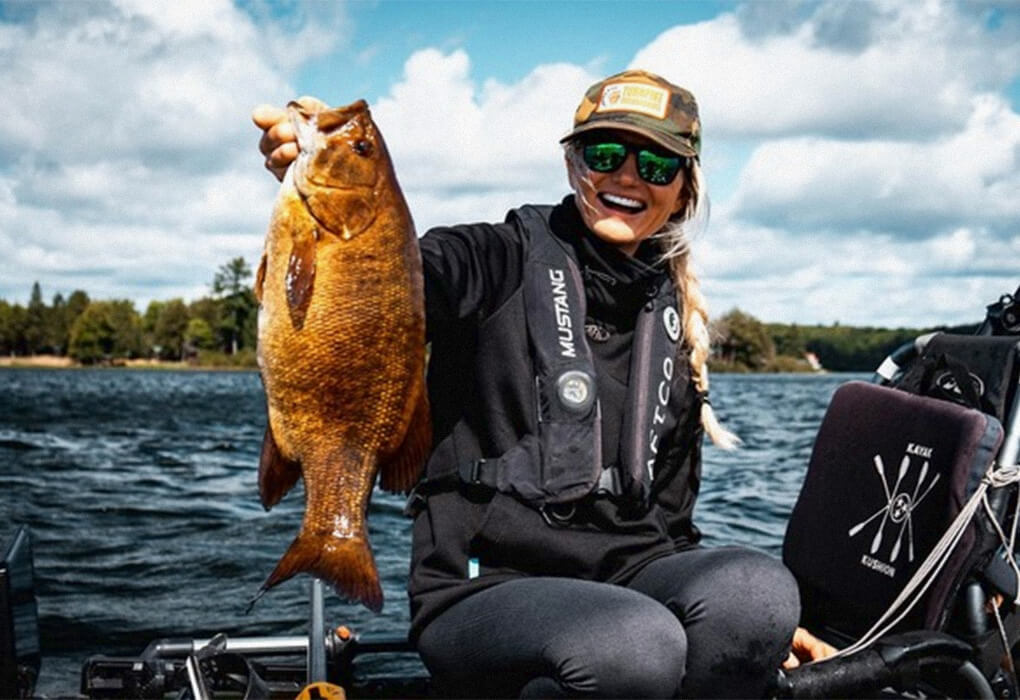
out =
column 642, row 102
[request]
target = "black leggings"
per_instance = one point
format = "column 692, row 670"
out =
column 734, row 612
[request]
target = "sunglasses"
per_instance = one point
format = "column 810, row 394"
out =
column 655, row 167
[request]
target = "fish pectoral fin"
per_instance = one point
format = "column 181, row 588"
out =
column 260, row 278
column 344, row 562
column 277, row 474
column 300, row 278
column 401, row 470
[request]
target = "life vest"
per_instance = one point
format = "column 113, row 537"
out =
column 560, row 462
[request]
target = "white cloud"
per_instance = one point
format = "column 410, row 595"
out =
column 863, row 279
column 912, row 73
column 128, row 151
column 955, row 248
column 884, row 159
column 913, row 189
column 466, row 152
column 873, row 156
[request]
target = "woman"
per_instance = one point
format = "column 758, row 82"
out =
column 554, row 551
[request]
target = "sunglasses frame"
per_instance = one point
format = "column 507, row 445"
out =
column 683, row 162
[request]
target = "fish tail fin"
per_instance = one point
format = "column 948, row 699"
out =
column 400, row 472
column 346, row 562
column 277, row 474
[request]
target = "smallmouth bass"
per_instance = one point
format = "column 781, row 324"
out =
column 341, row 346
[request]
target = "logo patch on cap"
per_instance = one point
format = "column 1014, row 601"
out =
column 634, row 97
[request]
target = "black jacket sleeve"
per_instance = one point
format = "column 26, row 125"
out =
column 470, row 270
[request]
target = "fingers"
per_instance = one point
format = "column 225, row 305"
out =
column 807, row 647
column 277, row 135
column 280, row 159
column 266, row 116
column 279, row 142
column 791, row 661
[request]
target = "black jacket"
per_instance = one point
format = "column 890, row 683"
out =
column 481, row 391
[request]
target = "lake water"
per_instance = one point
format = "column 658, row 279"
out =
column 139, row 488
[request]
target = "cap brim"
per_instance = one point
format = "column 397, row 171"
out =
column 671, row 144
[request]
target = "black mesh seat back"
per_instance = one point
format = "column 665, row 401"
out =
column 888, row 473
column 990, row 361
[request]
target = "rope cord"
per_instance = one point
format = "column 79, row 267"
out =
column 933, row 564
column 1010, row 668
column 1010, row 475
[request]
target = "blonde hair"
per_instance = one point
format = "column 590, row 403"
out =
column 675, row 241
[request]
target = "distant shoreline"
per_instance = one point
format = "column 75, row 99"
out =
column 62, row 362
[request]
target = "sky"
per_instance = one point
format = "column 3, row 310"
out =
column 862, row 158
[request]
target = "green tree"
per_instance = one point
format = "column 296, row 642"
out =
column 37, row 320
column 743, row 341
column 127, row 325
column 170, row 329
column 788, row 339
column 230, row 285
column 149, row 320
column 210, row 311
column 8, row 332
column 207, row 309
column 106, row 330
column 18, row 325
column 92, row 334
column 76, row 304
column 199, row 335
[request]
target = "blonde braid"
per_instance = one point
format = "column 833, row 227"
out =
column 675, row 241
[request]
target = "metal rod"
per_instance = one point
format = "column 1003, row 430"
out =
column 168, row 648
column 1011, row 443
column 317, row 635
column 199, row 691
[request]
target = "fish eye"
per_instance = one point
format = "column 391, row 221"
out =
column 362, row 147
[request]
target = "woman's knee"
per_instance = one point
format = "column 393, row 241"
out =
column 639, row 652
column 725, row 583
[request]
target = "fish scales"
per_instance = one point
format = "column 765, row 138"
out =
column 341, row 346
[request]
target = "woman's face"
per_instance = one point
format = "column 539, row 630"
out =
column 619, row 206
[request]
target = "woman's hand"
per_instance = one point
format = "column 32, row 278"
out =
column 279, row 142
column 807, row 647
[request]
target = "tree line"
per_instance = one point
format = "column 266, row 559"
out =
column 221, row 329
column 220, row 326
column 742, row 343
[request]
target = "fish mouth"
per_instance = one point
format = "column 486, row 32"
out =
column 338, row 168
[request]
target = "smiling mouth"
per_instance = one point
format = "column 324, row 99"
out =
column 621, row 204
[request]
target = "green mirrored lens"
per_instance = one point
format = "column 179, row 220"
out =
column 657, row 169
column 604, row 157
column 653, row 167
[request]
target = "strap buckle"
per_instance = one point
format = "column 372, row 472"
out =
column 471, row 472
column 558, row 514
column 416, row 501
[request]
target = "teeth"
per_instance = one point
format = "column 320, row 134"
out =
column 622, row 201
